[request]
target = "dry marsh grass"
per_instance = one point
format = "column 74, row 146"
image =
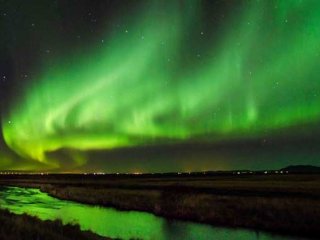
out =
column 23, row 227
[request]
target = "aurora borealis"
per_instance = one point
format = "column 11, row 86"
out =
column 151, row 74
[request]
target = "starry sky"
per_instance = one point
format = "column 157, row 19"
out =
column 159, row 86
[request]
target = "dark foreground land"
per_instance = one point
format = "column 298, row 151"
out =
column 23, row 227
column 281, row 203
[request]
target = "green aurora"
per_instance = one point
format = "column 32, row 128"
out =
column 169, row 76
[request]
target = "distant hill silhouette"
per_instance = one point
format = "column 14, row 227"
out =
column 302, row 168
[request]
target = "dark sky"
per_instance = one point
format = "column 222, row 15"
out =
column 118, row 86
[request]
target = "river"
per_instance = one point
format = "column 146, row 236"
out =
column 113, row 223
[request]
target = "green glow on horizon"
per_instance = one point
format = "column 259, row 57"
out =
column 138, row 88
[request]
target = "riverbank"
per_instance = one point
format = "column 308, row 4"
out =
column 24, row 227
column 280, row 204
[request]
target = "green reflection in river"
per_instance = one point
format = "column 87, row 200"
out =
column 116, row 224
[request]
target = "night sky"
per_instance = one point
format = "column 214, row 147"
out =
column 159, row 86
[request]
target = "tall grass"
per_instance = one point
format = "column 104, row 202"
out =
column 23, row 227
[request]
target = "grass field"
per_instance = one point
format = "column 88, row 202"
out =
column 23, row 227
column 288, row 204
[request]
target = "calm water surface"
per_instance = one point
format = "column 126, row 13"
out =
column 117, row 224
